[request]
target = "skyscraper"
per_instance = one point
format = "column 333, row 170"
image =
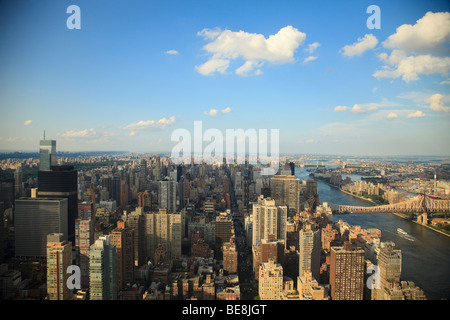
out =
column 34, row 220
column 389, row 267
column 268, row 219
column 122, row 238
column 18, row 182
column 137, row 223
column 167, row 195
column 309, row 251
column 347, row 272
column 102, row 270
column 59, row 258
column 84, row 238
column 61, row 182
column 47, row 154
column 164, row 229
column 285, row 190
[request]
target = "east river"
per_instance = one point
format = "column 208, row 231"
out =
column 425, row 253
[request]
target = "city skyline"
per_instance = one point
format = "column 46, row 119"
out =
column 136, row 71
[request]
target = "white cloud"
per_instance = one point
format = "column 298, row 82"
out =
column 253, row 48
column 418, row 49
column 392, row 115
column 445, row 81
column 212, row 112
column 410, row 67
column 149, row 124
column 215, row 112
column 27, row 123
column 369, row 41
column 308, row 59
column 429, row 33
column 213, row 65
column 417, row 114
column 358, row 108
column 341, row 108
column 312, row 47
column 436, row 103
column 86, row 133
column 172, row 52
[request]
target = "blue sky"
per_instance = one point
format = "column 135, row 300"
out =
column 138, row 70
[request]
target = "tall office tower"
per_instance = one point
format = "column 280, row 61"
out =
column 347, row 272
column 157, row 169
column 181, row 193
column 137, row 223
column 292, row 167
column 34, row 220
column 59, row 258
column 285, row 190
column 18, row 185
column 122, row 238
column 106, row 183
column 115, row 192
column 124, row 193
column 61, row 182
column 47, row 154
column 167, row 195
column 245, row 192
column 268, row 219
column 102, row 270
column 224, row 227
column 230, row 256
column 7, row 192
column 143, row 175
column 164, row 229
column 309, row 251
column 389, row 268
column 270, row 280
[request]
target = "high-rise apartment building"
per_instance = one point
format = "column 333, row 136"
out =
column 84, row 238
column 285, row 190
column 124, row 193
column 223, row 230
column 389, row 260
column 122, row 238
column 164, row 229
column 347, row 272
column 102, row 270
column 309, row 251
column 268, row 219
column 143, row 175
column 167, row 195
column 59, row 258
column 34, row 220
column 47, row 154
column 137, row 223
column 270, row 280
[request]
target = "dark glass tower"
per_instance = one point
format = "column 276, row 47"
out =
column 61, row 182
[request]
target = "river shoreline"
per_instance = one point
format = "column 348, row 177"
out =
column 350, row 194
column 423, row 225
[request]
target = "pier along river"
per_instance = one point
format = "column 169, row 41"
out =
column 425, row 253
